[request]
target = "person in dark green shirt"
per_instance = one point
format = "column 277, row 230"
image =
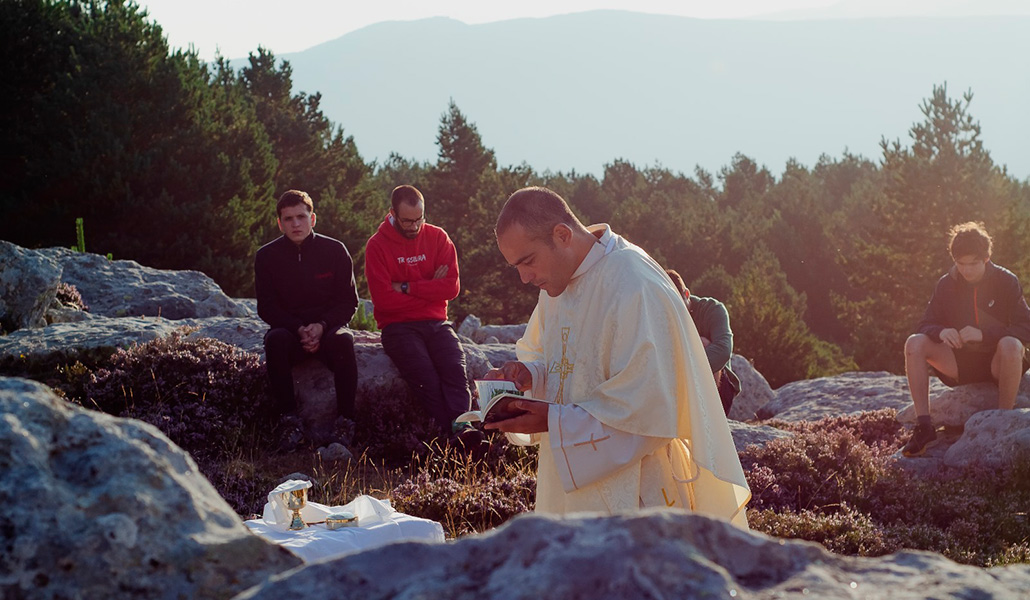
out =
column 713, row 324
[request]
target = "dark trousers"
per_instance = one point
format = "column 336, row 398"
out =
column 335, row 350
column 429, row 357
column 726, row 391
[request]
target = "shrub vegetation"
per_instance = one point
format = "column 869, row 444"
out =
column 835, row 481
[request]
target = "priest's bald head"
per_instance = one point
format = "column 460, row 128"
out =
column 538, row 235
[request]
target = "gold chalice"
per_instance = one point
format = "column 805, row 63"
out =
column 295, row 501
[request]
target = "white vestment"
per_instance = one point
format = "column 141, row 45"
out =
column 636, row 420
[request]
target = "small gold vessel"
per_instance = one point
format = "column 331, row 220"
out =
column 342, row 519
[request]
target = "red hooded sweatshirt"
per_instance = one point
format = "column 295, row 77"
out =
column 391, row 257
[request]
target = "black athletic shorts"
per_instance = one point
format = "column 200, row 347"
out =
column 973, row 367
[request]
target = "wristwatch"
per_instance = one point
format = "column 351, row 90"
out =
column 404, row 287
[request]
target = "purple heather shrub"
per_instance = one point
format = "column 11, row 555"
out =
column 813, row 470
column 202, row 393
column 68, row 295
column 468, row 508
column 847, row 531
column 835, row 482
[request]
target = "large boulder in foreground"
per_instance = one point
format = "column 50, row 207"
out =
column 125, row 288
column 28, row 286
column 100, row 507
column 848, row 393
column 654, row 555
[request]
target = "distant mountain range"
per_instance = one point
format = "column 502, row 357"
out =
column 579, row 91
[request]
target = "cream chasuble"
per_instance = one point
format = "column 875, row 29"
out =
column 637, row 420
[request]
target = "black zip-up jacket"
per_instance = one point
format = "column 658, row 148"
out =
column 995, row 305
column 300, row 285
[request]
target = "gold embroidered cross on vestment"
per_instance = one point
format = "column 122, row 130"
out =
column 563, row 368
column 592, row 442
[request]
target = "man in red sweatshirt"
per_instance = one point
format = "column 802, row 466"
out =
column 412, row 271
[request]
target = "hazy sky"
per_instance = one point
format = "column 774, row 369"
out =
column 236, row 28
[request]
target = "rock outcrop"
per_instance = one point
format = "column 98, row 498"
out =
column 992, row 439
column 755, row 391
column 952, row 407
column 124, row 288
column 849, row 393
column 97, row 336
column 100, row 507
column 747, row 434
column 28, row 286
column 472, row 327
column 655, row 555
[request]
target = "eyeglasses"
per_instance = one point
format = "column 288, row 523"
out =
column 409, row 222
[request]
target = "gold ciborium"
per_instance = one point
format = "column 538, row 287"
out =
column 296, row 500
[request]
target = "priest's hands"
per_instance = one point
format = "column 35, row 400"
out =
column 534, row 420
column 513, row 371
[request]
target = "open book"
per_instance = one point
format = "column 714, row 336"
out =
column 497, row 394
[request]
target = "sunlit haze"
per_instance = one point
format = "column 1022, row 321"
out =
column 235, row 28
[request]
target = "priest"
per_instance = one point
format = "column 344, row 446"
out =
column 624, row 407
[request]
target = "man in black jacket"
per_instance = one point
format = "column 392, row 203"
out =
column 974, row 329
column 306, row 294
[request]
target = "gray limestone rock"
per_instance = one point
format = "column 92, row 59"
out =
column 334, row 452
column 124, row 288
column 380, row 386
column 246, row 333
column 497, row 354
column 754, row 390
column 469, row 325
column 64, row 314
column 992, row 439
column 98, row 335
column 745, row 434
column 848, row 393
column 653, row 555
column 28, row 286
column 952, row 407
column 472, row 327
column 101, row 507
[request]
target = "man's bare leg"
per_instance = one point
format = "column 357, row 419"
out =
column 1007, row 368
column 920, row 353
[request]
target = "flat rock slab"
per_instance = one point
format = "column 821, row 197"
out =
column 848, row 393
column 952, row 407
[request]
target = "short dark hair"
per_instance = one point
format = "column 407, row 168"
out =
column 405, row 194
column 293, row 198
column 969, row 239
column 538, row 210
column 677, row 281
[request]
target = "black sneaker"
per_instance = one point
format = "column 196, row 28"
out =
column 922, row 438
column 343, row 431
column 290, row 434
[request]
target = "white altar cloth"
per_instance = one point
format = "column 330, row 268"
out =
column 378, row 524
